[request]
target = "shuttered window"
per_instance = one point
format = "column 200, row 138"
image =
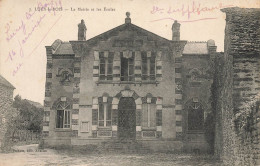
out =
column 148, row 115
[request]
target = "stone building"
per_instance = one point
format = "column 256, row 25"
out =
column 6, row 100
column 238, row 89
column 128, row 84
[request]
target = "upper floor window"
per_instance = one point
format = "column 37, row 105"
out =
column 148, row 65
column 127, row 66
column 106, row 65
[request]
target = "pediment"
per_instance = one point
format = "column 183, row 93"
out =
column 128, row 35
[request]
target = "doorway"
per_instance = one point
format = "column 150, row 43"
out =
column 126, row 118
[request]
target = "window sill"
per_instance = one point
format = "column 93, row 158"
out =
column 63, row 129
column 127, row 82
column 148, row 128
column 104, row 128
column 195, row 132
column 84, row 131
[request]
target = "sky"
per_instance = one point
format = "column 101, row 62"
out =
column 27, row 26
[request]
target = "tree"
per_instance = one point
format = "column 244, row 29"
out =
column 30, row 117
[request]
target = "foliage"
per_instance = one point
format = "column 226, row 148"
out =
column 29, row 116
column 210, row 122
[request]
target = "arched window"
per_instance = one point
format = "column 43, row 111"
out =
column 63, row 114
column 195, row 116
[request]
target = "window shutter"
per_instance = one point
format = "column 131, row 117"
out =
column 110, row 66
column 131, row 67
column 102, row 66
column 152, row 66
column 144, row 115
column 144, row 66
column 153, row 115
column 94, row 117
column 159, row 118
column 109, row 114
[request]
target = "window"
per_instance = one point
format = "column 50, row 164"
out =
column 127, row 66
column 149, row 115
column 105, row 112
column 195, row 116
column 106, row 65
column 148, row 66
column 63, row 119
column 63, row 115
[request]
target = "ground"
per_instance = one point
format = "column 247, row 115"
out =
column 31, row 156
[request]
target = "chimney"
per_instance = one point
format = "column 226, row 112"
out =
column 82, row 30
column 212, row 48
column 176, row 31
column 127, row 19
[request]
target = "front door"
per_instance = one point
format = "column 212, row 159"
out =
column 126, row 118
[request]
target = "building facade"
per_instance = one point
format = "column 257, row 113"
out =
column 128, row 84
column 6, row 109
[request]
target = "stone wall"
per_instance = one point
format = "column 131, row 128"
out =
column 237, row 86
column 6, row 95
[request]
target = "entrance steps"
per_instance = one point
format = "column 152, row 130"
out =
column 123, row 146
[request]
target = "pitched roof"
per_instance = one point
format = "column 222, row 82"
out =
column 125, row 27
column 191, row 48
column 4, row 82
column 62, row 48
column 196, row 48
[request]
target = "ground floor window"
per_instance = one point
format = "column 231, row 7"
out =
column 149, row 115
column 195, row 116
column 105, row 112
column 63, row 116
column 63, row 119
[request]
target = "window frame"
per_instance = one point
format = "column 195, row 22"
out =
column 149, row 107
column 130, row 66
column 66, row 117
column 107, row 63
column 148, row 61
column 105, row 112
